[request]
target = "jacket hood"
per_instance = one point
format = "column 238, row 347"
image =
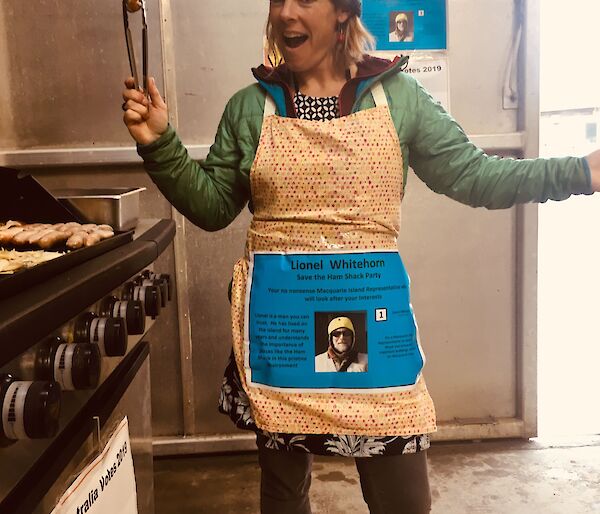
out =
column 279, row 82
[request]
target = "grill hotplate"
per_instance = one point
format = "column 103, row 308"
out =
column 23, row 198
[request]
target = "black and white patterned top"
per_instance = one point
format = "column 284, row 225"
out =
column 316, row 108
column 234, row 401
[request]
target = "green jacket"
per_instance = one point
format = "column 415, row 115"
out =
column 212, row 192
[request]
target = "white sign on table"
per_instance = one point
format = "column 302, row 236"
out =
column 106, row 485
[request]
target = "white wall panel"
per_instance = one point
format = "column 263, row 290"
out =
column 479, row 40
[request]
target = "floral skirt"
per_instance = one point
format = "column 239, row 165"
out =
column 234, row 402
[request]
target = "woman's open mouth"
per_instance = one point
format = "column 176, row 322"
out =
column 294, row 41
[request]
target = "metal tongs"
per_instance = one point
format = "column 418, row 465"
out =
column 132, row 6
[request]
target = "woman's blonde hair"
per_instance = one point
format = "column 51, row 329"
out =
column 401, row 16
column 357, row 40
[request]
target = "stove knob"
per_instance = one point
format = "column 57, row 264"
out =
column 131, row 310
column 148, row 295
column 146, row 274
column 164, row 278
column 110, row 334
column 81, row 327
column 128, row 287
column 73, row 366
column 30, row 410
column 162, row 285
column 106, row 305
column 151, row 297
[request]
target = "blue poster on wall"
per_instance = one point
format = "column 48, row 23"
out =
column 406, row 24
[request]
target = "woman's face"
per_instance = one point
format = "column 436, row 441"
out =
column 305, row 31
column 401, row 26
column 342, row 339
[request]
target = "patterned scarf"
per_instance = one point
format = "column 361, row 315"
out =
column 342, row 361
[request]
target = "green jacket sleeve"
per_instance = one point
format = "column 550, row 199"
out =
column 210, row 193
column 443, row 157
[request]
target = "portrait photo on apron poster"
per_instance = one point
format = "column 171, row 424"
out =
column 341, row 342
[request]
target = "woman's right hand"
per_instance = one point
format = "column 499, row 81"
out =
column 146, row 119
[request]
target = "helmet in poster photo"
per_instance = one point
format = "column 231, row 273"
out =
column 341, row 322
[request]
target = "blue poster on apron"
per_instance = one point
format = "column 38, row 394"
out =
column 330, row 321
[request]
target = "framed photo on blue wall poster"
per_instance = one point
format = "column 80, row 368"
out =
column 406, row 24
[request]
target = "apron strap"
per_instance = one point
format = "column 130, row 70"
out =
column 269, row 106
column 379, row 95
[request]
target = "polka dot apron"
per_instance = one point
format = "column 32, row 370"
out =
column 321, row 247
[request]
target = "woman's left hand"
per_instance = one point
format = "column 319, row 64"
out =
column 593, row 160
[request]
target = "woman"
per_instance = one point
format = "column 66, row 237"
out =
column 324, row 179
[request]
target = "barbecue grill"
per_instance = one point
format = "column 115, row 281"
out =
column 87, row 296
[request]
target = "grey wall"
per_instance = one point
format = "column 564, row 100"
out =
column 64, row 64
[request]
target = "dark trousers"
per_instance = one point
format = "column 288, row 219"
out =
column 396, row 484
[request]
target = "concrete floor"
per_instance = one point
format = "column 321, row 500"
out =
column 507, row 477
